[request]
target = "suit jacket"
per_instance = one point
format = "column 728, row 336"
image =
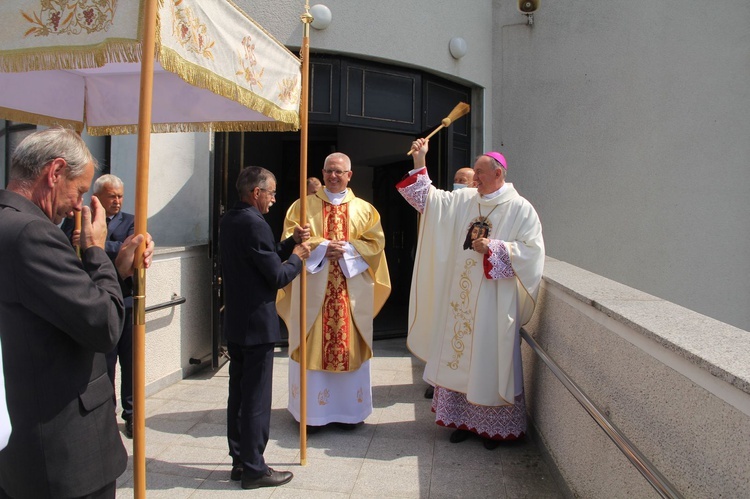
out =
column 58, row 316
column 119, row 228
column 253, row 270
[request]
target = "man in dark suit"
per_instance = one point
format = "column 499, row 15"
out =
column 110, row 190
column 254, row 269
column 58, row 316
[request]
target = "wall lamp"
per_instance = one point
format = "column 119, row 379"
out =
column 457, row 47
column 321, row 16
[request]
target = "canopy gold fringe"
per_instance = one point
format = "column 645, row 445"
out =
column 69, row 57
column 220, row 126
column 39, row 119
column 127, row 50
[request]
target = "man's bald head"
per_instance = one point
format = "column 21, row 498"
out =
column 464, row 176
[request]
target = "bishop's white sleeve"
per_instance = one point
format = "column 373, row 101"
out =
column 414, row 188
column 497, row 261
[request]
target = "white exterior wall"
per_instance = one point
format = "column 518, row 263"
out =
column 626, row 124
column 179, row 184
column 178, row 219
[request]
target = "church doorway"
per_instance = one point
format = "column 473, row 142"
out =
column 373, row 120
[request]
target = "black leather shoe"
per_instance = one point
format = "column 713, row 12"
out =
column 430, row 392
column 129, row 428
column 272, row 478
column 347, row 426
column 236, row 474
column 459, row 436
column 490, row 444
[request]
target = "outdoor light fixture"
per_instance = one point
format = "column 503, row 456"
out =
column 321, row 16
column 457, row 47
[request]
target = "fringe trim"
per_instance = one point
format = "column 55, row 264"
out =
column 125, row 50
column 39, row 119
column 70, row 57
column 217, row 126
column 202, row 78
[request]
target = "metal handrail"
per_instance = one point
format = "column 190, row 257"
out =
column 176, row 300
column 643, row 465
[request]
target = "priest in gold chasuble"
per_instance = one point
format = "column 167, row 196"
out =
column 477, row 273
column 347, row 285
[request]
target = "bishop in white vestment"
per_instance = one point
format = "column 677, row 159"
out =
column 476, row 277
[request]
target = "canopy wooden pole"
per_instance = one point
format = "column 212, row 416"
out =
column 141, row 220
column 303, row 107
column 77, row 226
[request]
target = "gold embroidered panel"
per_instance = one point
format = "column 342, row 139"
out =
column 77, row 62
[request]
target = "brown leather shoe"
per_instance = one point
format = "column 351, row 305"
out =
column 236, row 473
column 272, row 478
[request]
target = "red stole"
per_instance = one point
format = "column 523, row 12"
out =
column 336, row 314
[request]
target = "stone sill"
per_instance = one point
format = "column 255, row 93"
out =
column 718, row 348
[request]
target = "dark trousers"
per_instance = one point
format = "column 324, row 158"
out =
column 249, row 405
column 124, row 351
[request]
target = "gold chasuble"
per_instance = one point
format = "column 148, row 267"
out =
column 340, row 310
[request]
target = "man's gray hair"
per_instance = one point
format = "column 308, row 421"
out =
column 42, row 147
column 107, row 180
column 250, row 178
column 341, row 155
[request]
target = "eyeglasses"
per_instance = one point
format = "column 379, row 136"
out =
column 337, row 173
column 272, row 193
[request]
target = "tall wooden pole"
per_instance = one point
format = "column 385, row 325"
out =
column 141, row 221
column 77, row 226
column 303, row 107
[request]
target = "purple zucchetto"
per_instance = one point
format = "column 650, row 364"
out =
column 499, row 158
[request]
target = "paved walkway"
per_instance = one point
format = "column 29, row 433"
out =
column 398, row 452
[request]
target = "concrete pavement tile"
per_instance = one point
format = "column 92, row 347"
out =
column 462, row 482
column 183, row 460
column 530, row 485
column 205, row 435
column 392, row 480
column 406, row 430
column 187, row 410
column 332, row 442
column 164, row 486
column 324, row 475
column 289, row 492
column 411, row 452
column 469, row 454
